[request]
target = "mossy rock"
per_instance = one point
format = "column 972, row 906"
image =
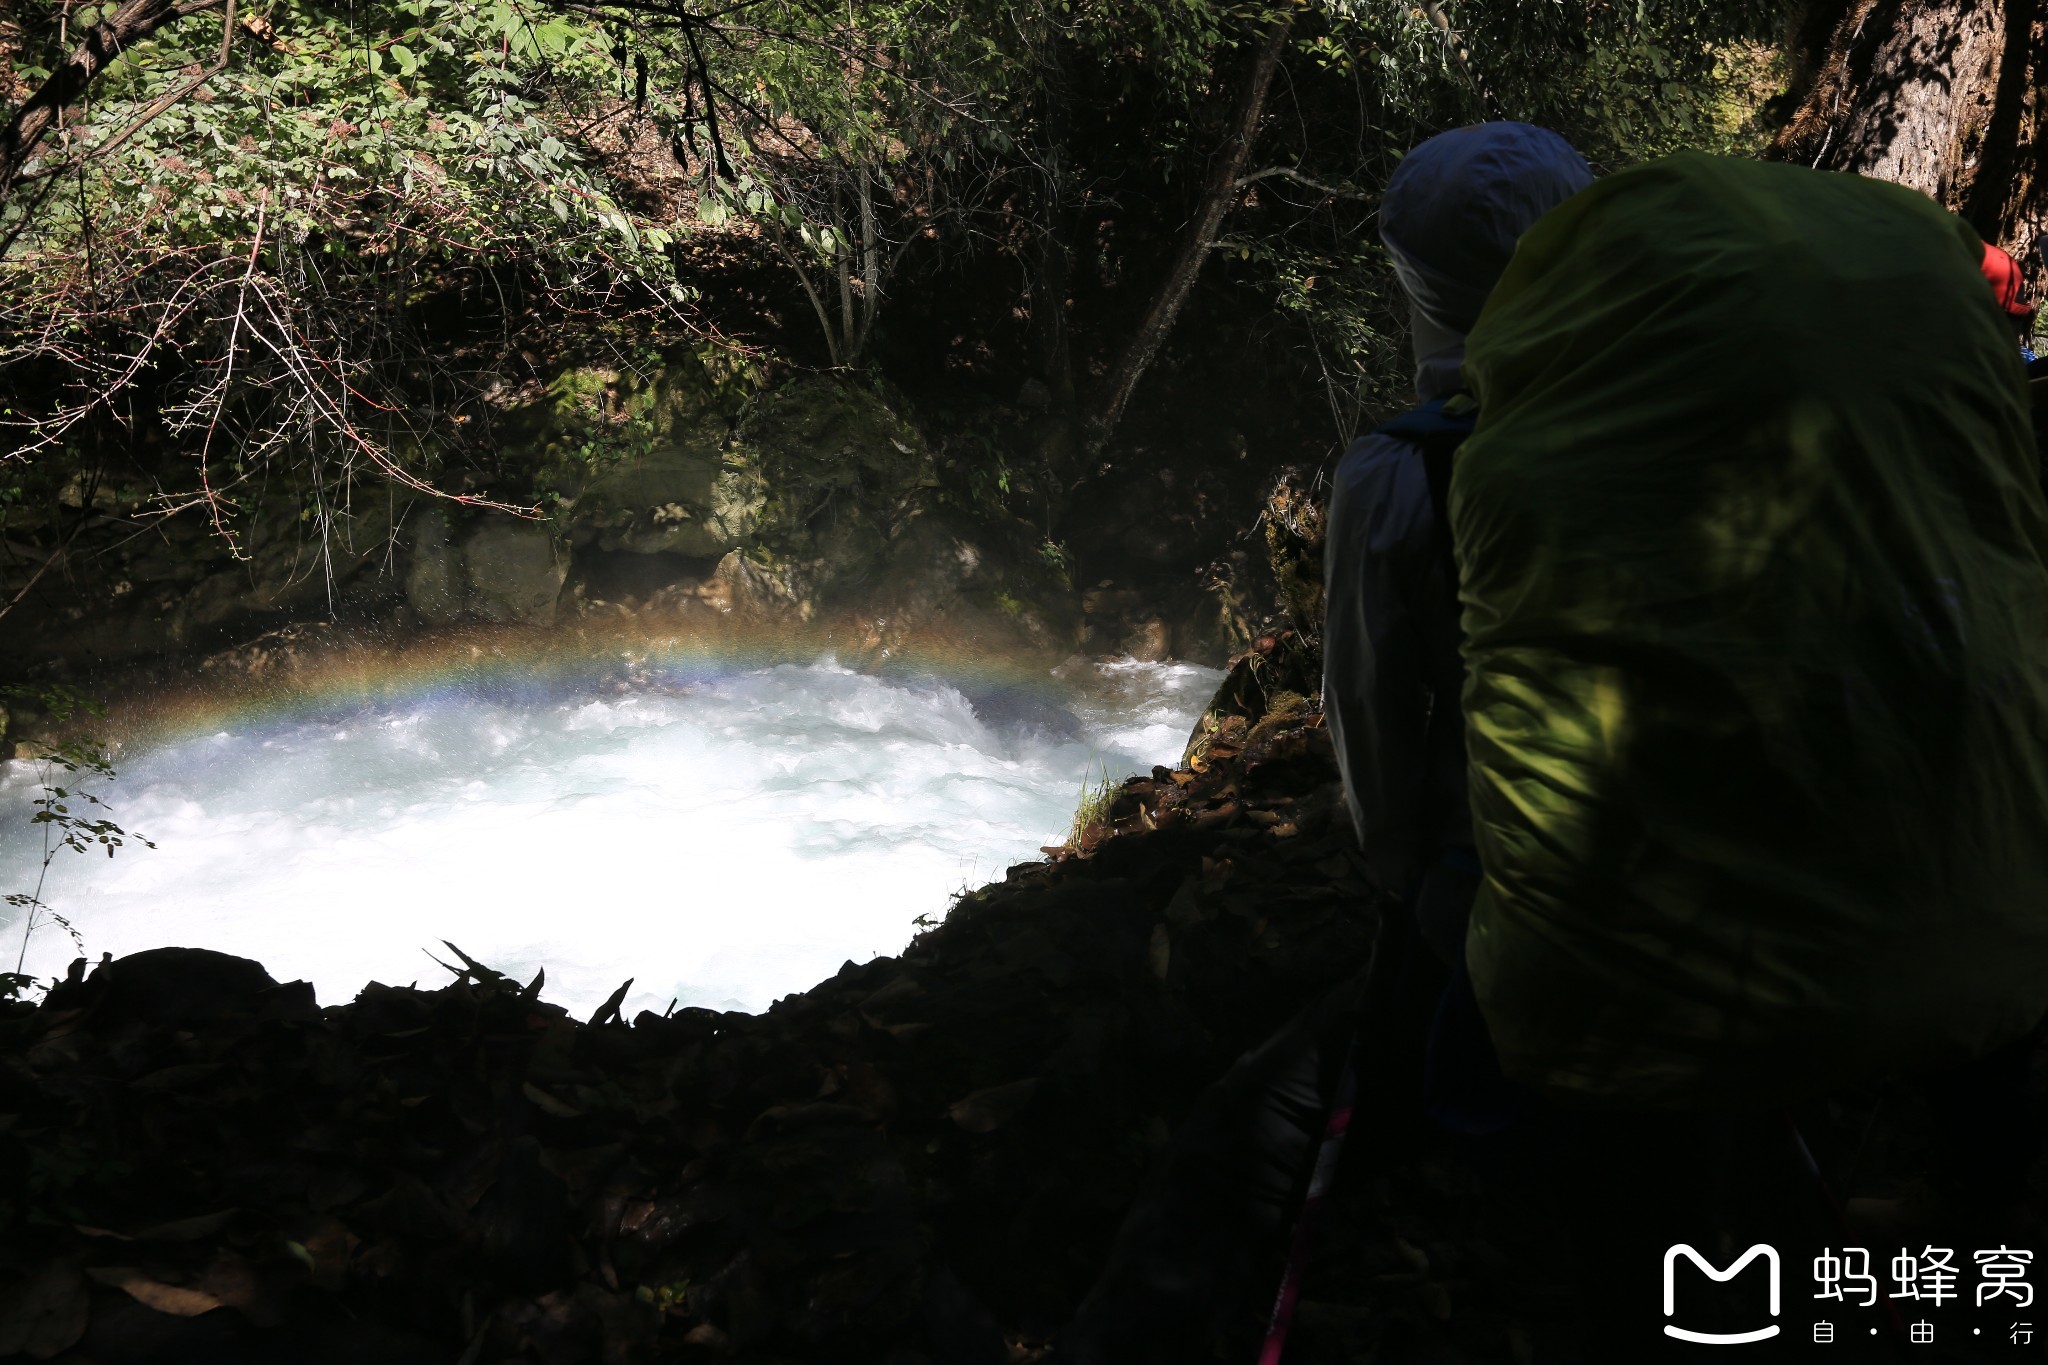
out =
column 514, row 571
column 672, row 501
column 670, row 468
column 829, row 431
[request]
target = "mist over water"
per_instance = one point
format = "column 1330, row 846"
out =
column 725, row 837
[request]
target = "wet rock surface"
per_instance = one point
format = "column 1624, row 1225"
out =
column 668, row 498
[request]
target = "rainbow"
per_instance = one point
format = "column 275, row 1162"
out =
column 304, row 672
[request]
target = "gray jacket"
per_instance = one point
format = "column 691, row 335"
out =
column 1392, row 671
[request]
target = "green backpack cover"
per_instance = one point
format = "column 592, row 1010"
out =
column 1751, row 552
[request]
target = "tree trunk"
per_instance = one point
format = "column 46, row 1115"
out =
column 1222, row 191
column 39, row 113
column 1941, row 95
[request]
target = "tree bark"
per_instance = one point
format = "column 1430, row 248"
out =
column 1218, row 196
column 1940, row 95
column 39, row 113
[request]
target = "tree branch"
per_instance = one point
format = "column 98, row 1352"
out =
column 1200, row 236
column 719, row 165
column 1289, row 173
column 159, row 104
column 40, row 112
column 1459, row 53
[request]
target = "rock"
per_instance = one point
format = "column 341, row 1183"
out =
column 681, row 493
column 275, row 653
column 940, row 575
column 170, row 987
column 644, row 462
column 672, row 502
column 434, row 585
column 1150, row 641
column 738, row 587
column 514, row 572
column 290, row 572
column 188, row 587
column 214, row 599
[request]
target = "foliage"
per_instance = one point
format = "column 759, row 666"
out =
column 1092, row 810
column 246, row 276
column 72, row 762
column 1622, row 82
column 330, row 259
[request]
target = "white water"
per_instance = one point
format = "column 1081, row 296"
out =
column 725, row 840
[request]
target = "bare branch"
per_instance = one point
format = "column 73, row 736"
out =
column 1289, row 173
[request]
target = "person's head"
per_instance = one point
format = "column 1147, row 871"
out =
column 1452, row 213
column 2007, row 287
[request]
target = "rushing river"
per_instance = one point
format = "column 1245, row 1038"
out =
column 725, row 835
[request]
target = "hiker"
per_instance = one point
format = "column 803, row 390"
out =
column 1392, row 672
column 1195, row 1262
column 1748, row 652
column 1391, row 668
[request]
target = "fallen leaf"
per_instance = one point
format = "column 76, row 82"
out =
column 44, row 1314
column 548, row 1104
column 164, row 1298
column 234, row 1281
column 187, row 1229
column 984, row 1111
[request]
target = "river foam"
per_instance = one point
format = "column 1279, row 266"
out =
column 724, row 834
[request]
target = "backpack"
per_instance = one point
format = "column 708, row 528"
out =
column 1756, row 644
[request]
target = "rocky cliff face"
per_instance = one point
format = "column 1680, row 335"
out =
column 673, row 497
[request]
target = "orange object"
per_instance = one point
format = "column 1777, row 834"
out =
column 2004, row 274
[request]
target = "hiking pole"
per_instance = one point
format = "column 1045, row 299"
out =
column 1332, row 1147
column 1382, row 979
